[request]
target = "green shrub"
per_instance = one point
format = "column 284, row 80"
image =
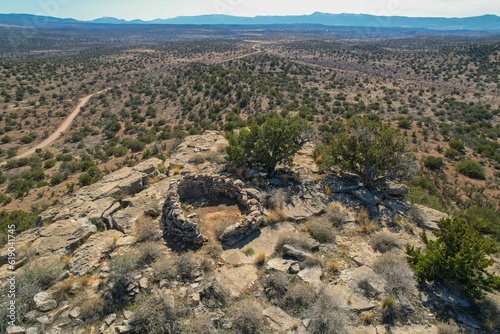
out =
column 133, row 145
column 457, row 145
column 433, row 163
column 471, row 168
column 121, row 269
column 370, row 149
column 274, row 142
column 92, row 175
column 49, row 164
column 33, row 278
column 452, row 154
column 458, row 256
column 485, row 220
column 21, row 219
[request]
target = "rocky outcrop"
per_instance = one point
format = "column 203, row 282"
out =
column 63, row 236
column 427, row 217
column 384, row 204
column 93, row 200
column 202, row 190
column 196, row 153
column 70, row 227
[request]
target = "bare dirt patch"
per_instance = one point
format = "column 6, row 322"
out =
column 209, row 218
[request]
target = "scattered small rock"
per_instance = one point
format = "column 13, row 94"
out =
column 15, row 330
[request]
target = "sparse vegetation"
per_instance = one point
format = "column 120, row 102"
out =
column 320, row 231
column 247, row 317
column 155, row 313
column 372, row 103
column 383, row 242
column 184, row 265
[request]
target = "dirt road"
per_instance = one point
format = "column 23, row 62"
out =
column 67, row 122
column 59, row 131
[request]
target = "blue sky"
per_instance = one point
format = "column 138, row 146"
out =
column 151, row 9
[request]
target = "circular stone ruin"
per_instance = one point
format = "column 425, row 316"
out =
column 199, row 204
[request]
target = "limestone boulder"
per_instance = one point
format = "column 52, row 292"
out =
column 44, row 301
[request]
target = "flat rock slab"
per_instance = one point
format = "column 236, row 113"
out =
column 92, row 201
column 413, row 329
column 279, row 320
column 354, row 301
column 64, row 236
column 375, row 282
column 236, row 257
column 430, row 216
column 198, row 146
column 279, row 264
column 361, row 253
column 311, row 274
column 303, row 162
column 237, row 279
column 87, row 257
column 266, row 240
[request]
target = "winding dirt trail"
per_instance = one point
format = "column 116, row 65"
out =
column 81, row 102
column 59, row 131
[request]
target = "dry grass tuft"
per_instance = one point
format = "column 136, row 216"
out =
column 91, row 306
column 312, row 261
column 275, row 216
column 366, row 225
column 384, row 241
column 447, row 328
column 260, row 259
column 147, row 253
column 333, row 267
column 175, row 169
column 396, row 272
column 295, row 240
column 146, row 230
column 184, row 265
column 336, row 214
column 320, row 231
column 367, row 318
column 247, row 317
column 68, row 288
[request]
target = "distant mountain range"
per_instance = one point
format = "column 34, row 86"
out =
column 477, row 23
